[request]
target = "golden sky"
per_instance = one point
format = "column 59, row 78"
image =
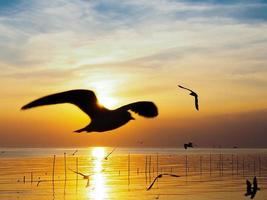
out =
column 128, row 51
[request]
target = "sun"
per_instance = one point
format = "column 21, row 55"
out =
column 108, row 102
column 98, row 153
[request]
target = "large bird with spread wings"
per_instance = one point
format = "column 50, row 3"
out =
column 102, row 119
column 251, row 191
column 192, row 93
column 160, row 176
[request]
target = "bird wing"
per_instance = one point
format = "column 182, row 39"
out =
column 74, row 152
column 143, row 108
column 185, row 146
column 253, row 194
column 84, row 99
column 185, row 88
column 151, row 185
column 78, row 173
column 248, row 187
column 173, row 175
column 196, row 102
column 111, row 152
column 255, row 184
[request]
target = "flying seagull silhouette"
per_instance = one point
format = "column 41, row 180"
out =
column 74, row 152
column 102, row 119
column 110, row 153
column 87, row 177
column 160, row 176
column 251, row 191
column 190, row 144
column 192, row 94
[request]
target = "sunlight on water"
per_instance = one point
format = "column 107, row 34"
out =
column 99, row 188
column 205, row 173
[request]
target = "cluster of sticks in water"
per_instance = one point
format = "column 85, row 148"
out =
column 235, row 164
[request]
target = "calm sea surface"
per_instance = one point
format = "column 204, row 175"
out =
column 47, row 173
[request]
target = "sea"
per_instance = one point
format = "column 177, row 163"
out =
column 100, row 173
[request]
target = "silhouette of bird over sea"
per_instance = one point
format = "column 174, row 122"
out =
column 74, row 152
column 192, row 94
column 102, row 119
column 87, row 177
column 190, row 144
column 110, row 153
column 251, row 191
column 160, row 176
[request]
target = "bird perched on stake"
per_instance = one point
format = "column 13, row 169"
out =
column 192, row 94
column 160, row 176
column 251, row 191
column 102, row 119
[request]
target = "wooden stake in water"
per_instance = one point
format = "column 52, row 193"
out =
column 65, row 166
column 232, row 164
column 53, row 175
column 129, row 170
column 237, row 165
column 254, row 165
column 157, row 166
column 243, row 166
column 222, row 164
column 200, row 164
column 186, row 166
column 146, row 169
column 149, row 169
column 210, row 164
column 31, row 178
column 259, row 160
column 77, row 174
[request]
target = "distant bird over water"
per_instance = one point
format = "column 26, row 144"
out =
column 251, row 191
column 192, row 94
column 160, row 176
column 102, row 119
column 110, row 153
column 87, row 177
column 74, row 152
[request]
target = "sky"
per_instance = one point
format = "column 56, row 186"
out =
column 127, row 51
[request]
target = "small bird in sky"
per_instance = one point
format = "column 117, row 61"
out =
column 102, row 119
column 74, row 152
column 189, row 144
column 160, row 176
column 251, row 191
column 110, row 153
column 140, row 142
column 192, row 94
column 87, row 177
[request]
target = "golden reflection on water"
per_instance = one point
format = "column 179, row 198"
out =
column 98, row 187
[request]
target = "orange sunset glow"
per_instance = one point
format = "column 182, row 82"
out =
column 138, row 53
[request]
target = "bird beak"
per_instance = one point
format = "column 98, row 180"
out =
column 132, row 118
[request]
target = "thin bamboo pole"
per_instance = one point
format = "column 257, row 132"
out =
column 65, row 172
column 53, row 175
column 77, row 165
column 129, row 170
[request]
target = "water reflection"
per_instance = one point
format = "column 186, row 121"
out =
column 98, row 185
